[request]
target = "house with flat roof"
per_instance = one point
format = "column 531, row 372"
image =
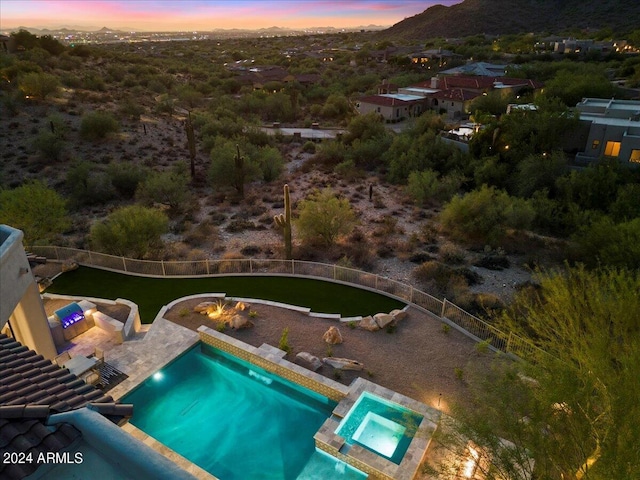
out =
column 614, row 130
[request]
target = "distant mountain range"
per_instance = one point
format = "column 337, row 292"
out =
column 497, row 17
column 123, row 30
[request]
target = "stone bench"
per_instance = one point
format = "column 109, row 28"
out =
column 105, row 322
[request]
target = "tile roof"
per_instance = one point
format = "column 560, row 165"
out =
column 456, row 94
column 32, row 388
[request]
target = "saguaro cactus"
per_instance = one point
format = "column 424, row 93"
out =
column 283, row 220
column 240, row 173
column 191, row 140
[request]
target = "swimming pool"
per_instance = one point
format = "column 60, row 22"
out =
column 232, row 418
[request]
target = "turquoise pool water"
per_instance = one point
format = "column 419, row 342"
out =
column 381, row 426
column 233, row 419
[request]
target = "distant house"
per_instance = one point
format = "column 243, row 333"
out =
column 482, row 69
column 614, row 130
column 453, row 102
column 433, row 58
column 392, row 107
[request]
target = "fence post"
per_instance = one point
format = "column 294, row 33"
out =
column 90, row 259
column 411, row 294
column 508, row 346
column 207, row 260
column 56, row 250
column 250, row 265
column 334, row 272
column 444, row 305
column 164, row 273
column 124, row 264
column 293, row 267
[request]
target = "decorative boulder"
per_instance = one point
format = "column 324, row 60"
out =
column 203, row 307
column 368, row 323
column 343, row 363
column 239, row 322
column 241, row 306
column 398, row 315
column 309, row 361
column 69, row 266
column 383, row 319
column 332, row 336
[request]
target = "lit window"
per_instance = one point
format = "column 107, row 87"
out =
column 595, row 144
column 612, row 149
column 635, row 156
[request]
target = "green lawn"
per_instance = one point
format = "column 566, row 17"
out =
column 152, row 293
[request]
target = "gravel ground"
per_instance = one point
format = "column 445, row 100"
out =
column 418, row 359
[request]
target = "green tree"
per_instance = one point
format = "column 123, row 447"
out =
column 38, row 85
column 484, row 215
column 323, row 217
column 610, row 244
column 223, row 172
column 35, row 209
column 97, row 125
column 167, row 188
column 537, row 172
column 572, row 406
column 133, row 231
column 428, row 185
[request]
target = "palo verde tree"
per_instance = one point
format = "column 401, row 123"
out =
column 134, row 231
column 35, row 209
column 323, row 217
column 570, row 410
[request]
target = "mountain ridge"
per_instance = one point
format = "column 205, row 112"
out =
column 499, row 17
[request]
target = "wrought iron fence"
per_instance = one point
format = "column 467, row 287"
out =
column 473, row 326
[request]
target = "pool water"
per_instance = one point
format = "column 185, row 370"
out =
column 231, row 418
column 381, row 426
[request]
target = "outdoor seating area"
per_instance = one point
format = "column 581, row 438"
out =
column 91, row 369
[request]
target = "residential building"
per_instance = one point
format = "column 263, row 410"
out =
column 393, row 107
column 614, row 130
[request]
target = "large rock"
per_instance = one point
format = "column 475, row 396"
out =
column 343, row 363
column 309, row 361
column 383, row 319
column 239, row 322
column 368, row 323
column 68, row 266
column 398, row 315
column 332, row 336
column 203, row 307
column 241, row 306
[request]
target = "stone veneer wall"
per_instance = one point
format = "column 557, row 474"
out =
column 271, row 360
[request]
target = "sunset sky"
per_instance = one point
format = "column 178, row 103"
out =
column 170, row 15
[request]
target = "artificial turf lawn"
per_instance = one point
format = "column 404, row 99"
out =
column 151, row 294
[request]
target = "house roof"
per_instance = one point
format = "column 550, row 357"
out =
column 456, row 94
column 477, row 68
column 31, row 389
column 391, row 100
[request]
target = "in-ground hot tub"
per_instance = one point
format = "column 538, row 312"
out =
column 379, row 425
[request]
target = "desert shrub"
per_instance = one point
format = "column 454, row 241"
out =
column 493, row 262
column 270, row 162
column 428, row 185
column 309, row 147
column 484, row 215
column 88, row 186
column 323, row 217
column 605, row 243
column 133, row 231
column 39, row 211
column 451, row 254
column 97, row 125
column 49, row 145
column 126, row 176
column 283, row 344
column 38, row 85
column 167, row 188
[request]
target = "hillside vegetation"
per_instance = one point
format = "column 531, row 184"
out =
column 498, row 17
